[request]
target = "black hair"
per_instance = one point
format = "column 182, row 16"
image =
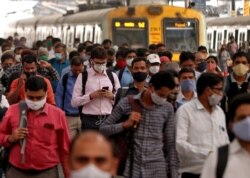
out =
column 7, row 56
column 186, row 55
column 129, row 51
column 56, row 40
column 201, row 48
column 152, row 47
column 60, row 45
column 186, row 70
column 160, row 45
column 18, row 48
column 76, row 61
column 111, row 52
column 141, row 52
column 236, row 102
column 29, row 59
column 81, row 47
column 121, row 52
column 207, row 80
column 162, row 79
column 106, row 41
column 99, row 53
column 214, row 58
column 138, row 59
column 89, row 49
column 35, row 83
column 166, row 53
column 241, row 54
column 174, row 73
column 73, row 54
column 5, row 44
column 49, row 37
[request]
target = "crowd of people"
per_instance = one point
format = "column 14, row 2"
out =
column 105, row 111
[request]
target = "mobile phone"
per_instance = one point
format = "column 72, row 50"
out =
column 105, row 88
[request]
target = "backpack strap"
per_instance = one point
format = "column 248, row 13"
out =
column 120, row 74
column 222, row 160
column 64, row 84
column 84, row 80
column 111, row 78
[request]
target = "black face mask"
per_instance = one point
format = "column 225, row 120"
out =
column 201, row 66
column 140, row 76
column 29, row 74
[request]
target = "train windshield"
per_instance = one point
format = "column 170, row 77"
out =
column 181, row 34
column 134, row 32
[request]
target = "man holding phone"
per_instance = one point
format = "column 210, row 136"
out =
column 95, row 90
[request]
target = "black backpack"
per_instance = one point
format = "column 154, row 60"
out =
column 84, row 81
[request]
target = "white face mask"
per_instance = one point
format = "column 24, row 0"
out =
column 100, row 67
column 91, row 171
column 157, row 99
column 214, row 99
column 35, row 105
column 18, row 58
column 154, row 69
column 129, row 62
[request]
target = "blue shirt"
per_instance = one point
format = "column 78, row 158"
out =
column 65, row 71
column 127, row 78
column 58, row 65
column 68, row 108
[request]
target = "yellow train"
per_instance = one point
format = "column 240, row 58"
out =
column 180, row 29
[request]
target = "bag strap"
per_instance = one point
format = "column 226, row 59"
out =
column 120, row 74
column 64, row 84
column 112, row 80
column 222, row 161
column 84, row 80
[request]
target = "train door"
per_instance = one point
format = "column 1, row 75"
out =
column 219, row 40
column 97, row 34
column 70, row 36
column 214, row 40
column 236, row 36
column 88, row 33
column 79, row 32
column 209, row 40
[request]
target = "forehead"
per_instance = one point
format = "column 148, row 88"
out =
column 199, row 55
column 131, row 54
column 241, row 59
column 188, row 62
column 243, row 110
column 187, row 74
column 35, row 93
column 139, row 64
column 163, row 90
column 92, row 148
column 33, row 64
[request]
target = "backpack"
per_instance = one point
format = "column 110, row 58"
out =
column 64, row 84
column 84, row 81
column 222, row 161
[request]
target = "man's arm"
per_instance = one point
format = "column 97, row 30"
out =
column 15, row 88
column 50, row 94
column 110, row 125
column 63, row 145
column 170, row 144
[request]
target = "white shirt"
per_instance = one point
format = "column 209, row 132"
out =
column 238, row 165
column 198, row 133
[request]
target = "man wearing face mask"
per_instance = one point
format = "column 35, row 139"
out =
column 45, row 134
column 124, row 75
column 154, row 63
column 17, row 52
column 200, row 61
column 92, row 155
column 237, row 154
column 187, row 86
column 172, row 97
column 201, row 126
column 29, row 68
column 154, row 153
column 96, row 93
column 60, row 61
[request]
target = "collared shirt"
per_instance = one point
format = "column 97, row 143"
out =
column 234, row 81
column 65, row 71
column 47, row 141
column 198, row 133
column 127, row 77
column 182, row 100
column 238, row 164
column 58, row 65
column 68, row 108
column 50, row 94
column 154, row 140
column 197, row 74
column 95, row 81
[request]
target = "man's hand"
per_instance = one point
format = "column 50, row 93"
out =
column 133, row 120
column 109, row 95
column 22, row 79
column 18, row 134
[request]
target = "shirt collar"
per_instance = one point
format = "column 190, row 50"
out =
column 181, row 97
column 44, row 111
column 233, row 79
column 126, row 69
column 198, row 104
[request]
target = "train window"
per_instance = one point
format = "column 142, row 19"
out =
column 181, row 36
column 133, row 31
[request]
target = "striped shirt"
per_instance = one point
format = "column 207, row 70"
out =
column 154, row 141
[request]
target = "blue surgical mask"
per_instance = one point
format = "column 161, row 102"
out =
column 188, row 85
column 242, row 129
column 58, row 56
